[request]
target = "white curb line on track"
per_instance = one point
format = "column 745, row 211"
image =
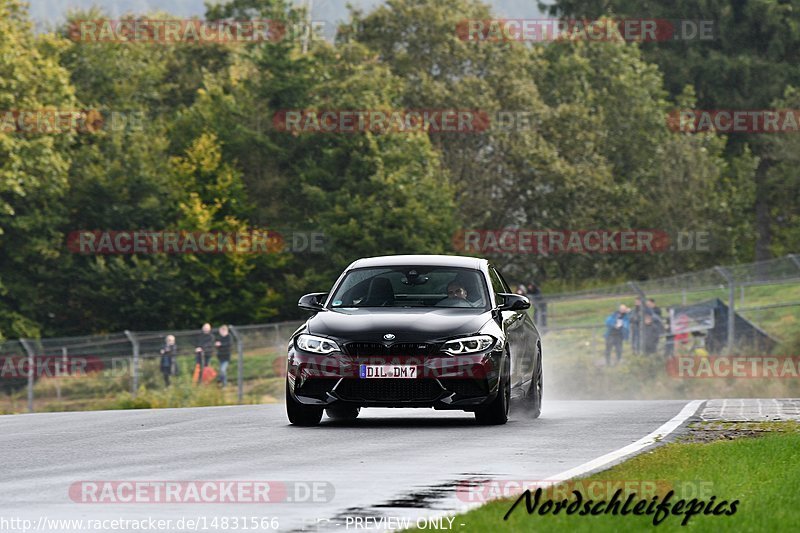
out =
column 631, row 449
column 607, row 460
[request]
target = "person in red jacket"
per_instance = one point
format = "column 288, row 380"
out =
column 204, row 350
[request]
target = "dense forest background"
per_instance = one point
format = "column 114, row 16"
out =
column 207, row 157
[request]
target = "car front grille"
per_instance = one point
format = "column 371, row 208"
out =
column 366, row 349
column 389, row 390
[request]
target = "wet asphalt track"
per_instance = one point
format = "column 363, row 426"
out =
column 389, row 463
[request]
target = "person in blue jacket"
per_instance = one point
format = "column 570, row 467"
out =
column 618, row 327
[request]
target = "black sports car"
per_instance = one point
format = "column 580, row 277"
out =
column 415, row 331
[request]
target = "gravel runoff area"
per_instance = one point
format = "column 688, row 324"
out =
column 752, row 410
column 742, row 418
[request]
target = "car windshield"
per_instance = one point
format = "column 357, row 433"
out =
column 412, row 286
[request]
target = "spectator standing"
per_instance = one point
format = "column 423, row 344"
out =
column 204, row 349
column 224, row 344
column 168, row 353
column 617, row 328
column 636, row 321
column 539, row 304
column 652, row 333
column 654, row 311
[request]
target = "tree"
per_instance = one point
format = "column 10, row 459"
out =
column 748, row 64
column 598, row 155
column 33, row 169
column 371, row 194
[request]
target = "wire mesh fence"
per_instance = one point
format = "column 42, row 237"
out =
column 776, row 271
column 745, row 306
column 749, row 308
column 96, row 370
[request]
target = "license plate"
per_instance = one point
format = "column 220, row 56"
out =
column 387, row 371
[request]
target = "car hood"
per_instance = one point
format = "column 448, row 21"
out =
column 408, row 325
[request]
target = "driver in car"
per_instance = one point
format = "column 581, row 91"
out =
column 456, row 296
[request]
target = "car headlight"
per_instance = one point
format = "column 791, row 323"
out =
column 312, row 343
column 464, row 345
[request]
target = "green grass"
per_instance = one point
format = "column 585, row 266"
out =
column 762, row 473
column 781, row 322
column 574, row 358
column 112, row 390
column 574, row 368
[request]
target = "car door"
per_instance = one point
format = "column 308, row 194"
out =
column 513, row 325
column 528, row 352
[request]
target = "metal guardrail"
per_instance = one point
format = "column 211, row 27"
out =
column 781, row 270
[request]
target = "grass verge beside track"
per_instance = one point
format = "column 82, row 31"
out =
column 762, row 473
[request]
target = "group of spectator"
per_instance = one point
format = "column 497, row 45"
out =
column 643, row 324
column 205, row 345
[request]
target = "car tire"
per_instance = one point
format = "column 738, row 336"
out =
column 343, row 413
column 299, row 414
column 496, row 413
column 534, row 397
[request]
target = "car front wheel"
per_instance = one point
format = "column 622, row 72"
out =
column 496, row 413
column 299, row 414
column 534, row 398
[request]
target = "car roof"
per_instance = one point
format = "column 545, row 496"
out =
column 420, row 260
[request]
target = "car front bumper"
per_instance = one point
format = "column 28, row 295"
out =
column 462, row 382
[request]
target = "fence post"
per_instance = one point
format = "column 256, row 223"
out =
column 60, row 369
column 240, row 364
column 731, row 307
column 135, row 370
column 31, row 370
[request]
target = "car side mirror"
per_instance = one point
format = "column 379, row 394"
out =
column 514, row 302
column 313, row 301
